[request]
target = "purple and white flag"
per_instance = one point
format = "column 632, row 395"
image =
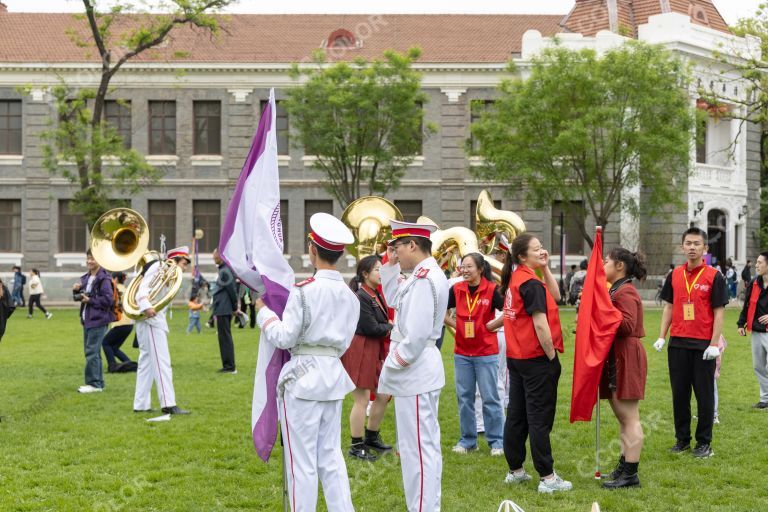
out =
column 251, row 245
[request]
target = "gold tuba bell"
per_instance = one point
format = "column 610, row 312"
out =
column 368, row 218
column 450, row 245
column 119, row 241
column 490, row 221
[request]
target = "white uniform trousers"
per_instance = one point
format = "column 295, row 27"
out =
column 502, row 384
column 312, row 443
column 418, row 438
column 154, row 365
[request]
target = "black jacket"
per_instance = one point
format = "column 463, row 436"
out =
column 6, row 309
column 225, row 296
column 760, row 310
column 373, row 319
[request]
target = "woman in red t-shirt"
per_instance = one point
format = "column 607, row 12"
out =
column 476, row 300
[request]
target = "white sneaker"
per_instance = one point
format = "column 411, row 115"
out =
column 716, row 421
column 554, row 484
column 517, row 478
column 48, row 316
column 497, row 452
column 89, row 389
column 460, row 449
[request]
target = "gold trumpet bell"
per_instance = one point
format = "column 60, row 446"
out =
column 490, row 221
column 368, row 218
column 119, row 239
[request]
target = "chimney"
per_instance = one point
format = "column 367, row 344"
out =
column 3, row 7
column 613, row 16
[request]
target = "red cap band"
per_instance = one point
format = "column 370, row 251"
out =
column 325, row 244
column 399, row 233
column 178, row 254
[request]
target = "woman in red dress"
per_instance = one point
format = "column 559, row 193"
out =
column 625, row 370
column 362, row 360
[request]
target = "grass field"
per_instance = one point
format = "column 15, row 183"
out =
column 62, row 451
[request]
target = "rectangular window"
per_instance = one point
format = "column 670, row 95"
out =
column 284, row 222
column 117, row 114
column 737, row 242
column 281, row 122
column 313, row 206
column 701, row 141
column 476, row 110
column 207, row 216
column 411, row 210
column 10, row 127
column 473, row 210
column 207, row 127
column 72, row 229
column 10, row 225
column 162, row 127
column 573, row 216
column 162, row 221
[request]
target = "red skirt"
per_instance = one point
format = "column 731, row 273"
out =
column 361, row 360
column 631, row 370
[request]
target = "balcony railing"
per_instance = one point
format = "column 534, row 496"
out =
column 713, row 176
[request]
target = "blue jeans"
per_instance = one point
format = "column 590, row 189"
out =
column 194, row 323
column 472, row 373
column 92, row 338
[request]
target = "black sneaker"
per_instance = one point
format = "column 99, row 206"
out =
column 703, row 451
column 680, row 447
column 760, row 405
column 174, row 410
column 360, row 451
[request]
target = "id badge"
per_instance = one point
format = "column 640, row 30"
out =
column 688, row 311
column 469, row 329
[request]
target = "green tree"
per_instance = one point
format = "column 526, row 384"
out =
column 362, row 120
column 79, row 135
column 588, row 128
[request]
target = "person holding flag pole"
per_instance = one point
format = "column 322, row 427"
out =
column 625, row 371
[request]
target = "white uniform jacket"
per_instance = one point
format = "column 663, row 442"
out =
column 414, row 365
column 142, row 298
column 329, row 316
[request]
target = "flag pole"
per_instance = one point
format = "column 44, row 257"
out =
column 597, row 414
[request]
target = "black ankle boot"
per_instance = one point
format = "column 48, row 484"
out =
column 373, row 441
column 628, row 477
column 617, row 470
column 360, row 451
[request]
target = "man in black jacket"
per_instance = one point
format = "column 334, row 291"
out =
column 224, row 306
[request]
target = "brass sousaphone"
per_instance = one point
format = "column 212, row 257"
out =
column 119, row 241
column 491, row 222
column 450, row 245
column 368, row 219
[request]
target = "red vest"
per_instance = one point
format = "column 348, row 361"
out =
column 700, row 328
column 522, row 341
column 485, row 342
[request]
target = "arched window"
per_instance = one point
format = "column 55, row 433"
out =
column 698, row 13
column 341, row 39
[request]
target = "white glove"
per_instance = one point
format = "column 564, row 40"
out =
column 711, row 353
column 659, row 344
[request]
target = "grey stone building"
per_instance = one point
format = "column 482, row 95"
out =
column 194, row 118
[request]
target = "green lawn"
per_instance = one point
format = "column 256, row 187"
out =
column 62, row 451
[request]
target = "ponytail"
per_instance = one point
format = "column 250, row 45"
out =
column 364, row 266
column 634, row 262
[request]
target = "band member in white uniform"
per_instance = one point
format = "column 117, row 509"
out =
column 318, row 325
column 413, row 371
column 154, row 363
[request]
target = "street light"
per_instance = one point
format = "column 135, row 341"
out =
column 699, row 208
column 744, row 211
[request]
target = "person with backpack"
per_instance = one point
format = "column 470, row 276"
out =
column 577, row 283
column 19, row 280
column 119, row 330
column 96, row 295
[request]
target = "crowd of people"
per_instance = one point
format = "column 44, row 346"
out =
column 382, row 344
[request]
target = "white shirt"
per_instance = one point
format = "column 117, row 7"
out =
column 332, row 312
column 414, row 365
column 35, row 285
column 142, row 298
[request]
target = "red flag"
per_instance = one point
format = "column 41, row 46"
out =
column 596, row 326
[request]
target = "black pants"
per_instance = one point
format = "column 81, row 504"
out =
column 226, row 345
column 35, row 299
column 531, row 411
column 688, row 370
column 251, row 308
column 112, row 343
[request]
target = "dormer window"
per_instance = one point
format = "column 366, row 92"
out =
column 341, row 39
column 699, row 14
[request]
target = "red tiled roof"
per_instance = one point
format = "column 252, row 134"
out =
column 247, row 38
column 591, row 16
